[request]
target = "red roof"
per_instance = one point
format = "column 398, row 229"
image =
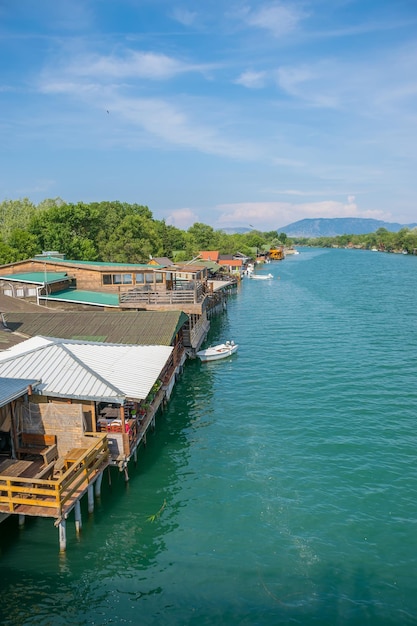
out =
column 209, row 255
column 231, row 262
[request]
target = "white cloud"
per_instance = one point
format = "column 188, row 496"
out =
column 183, row 16
column 252, row 80
column 278, row 18
column 174, row 125
column 133, row 64
column 182, row 218
column 381, row 84
column 177, row 124
column 318, row 84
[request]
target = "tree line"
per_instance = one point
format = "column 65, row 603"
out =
column 404, row 240
column 118, row 232
column 115, row 232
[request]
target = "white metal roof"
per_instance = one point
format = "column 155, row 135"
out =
column 86, row 370
column 13, row 388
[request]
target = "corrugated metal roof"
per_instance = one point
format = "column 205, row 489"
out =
column 131, row 327
column 86, row 370
column 7, row 303
column 12, row 388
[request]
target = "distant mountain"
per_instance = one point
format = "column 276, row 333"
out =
column 331, row 227
column 233, row 230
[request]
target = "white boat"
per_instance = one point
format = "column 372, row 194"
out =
column 262, row 276
column 221, row 351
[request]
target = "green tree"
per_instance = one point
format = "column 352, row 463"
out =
column 15, row 214
column 171, row 238
column 135, row 240
column 7, row 254
column 70, row 229
column 24, row 244
column 204, row 237
column 48, row 203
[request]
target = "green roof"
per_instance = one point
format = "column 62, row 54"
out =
column 211, row 265
column 36, row 277
column 97, row 264
column 95, row 298
column 127, row 327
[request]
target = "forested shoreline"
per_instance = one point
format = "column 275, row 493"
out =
column 116, row 231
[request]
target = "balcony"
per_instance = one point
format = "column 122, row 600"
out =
column 188, row 298
column 29, row 487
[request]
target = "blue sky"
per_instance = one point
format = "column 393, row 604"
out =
column 227, row 113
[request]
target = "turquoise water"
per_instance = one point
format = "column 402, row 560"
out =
column 283, row 481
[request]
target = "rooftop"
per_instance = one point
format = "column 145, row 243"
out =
column 129, row 327
column 37, row 278
column 85, row 370
column 78, row 296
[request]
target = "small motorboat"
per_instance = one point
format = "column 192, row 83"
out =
column 261, row 276
column 221, row 351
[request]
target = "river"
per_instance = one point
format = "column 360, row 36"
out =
column 280, row 486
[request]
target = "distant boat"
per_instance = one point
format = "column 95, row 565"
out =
column 261, row 276
column 221, row 351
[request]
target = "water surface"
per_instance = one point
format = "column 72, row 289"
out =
column 282, row 481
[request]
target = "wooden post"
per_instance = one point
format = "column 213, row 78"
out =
column 78, row 520
column 122, row 418
column 94, row 416
column 97, row 485
column 90, row 497
column 126, row 474
column 62, row 535
column 13, row 429
column 21, row 521
column 135, row 455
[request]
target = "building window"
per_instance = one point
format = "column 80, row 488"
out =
column 107, row 279
column 140, row 278
column 149, row 278
column 117, row 279
column 127, row 279
column 159, row 278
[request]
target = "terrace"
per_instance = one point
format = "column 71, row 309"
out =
column 30, row 486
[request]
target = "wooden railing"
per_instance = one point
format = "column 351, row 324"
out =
column 175, row 296
column 57, row 493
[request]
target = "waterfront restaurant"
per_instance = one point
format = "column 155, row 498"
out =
column 91, row 406
column 34, row 480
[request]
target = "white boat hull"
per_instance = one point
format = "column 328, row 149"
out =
column 215, row 353
column 261, row 277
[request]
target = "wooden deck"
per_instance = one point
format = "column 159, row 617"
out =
column 24, row 492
